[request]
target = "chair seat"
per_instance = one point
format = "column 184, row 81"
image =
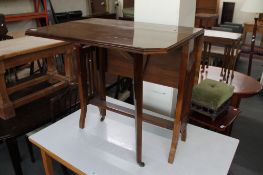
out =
column 257, row 50
column 128, row 12
column 211, row 94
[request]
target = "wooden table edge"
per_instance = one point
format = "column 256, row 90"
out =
column 115, row 46
column 57, row 158
column 30, row 51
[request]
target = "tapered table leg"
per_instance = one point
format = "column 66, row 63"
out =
column 180, row 102
column 82, row 79
column 186, row 81
column 102, row 56
column 14, row 155
column 138, row 82
column 47, row 163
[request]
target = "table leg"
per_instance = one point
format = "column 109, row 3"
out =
column 186, row 83
column 230, row 61
column 208, row 55
column 235, row 101
column 180, row 101
column 82, row 79
column 6, row 106
column 14, row 155
column 68, row 64
column 102, row 56
column 47, row 163
column 51, row 69
column 138, row 90
column 204, row 56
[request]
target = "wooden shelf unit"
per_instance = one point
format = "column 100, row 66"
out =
column 37, row 14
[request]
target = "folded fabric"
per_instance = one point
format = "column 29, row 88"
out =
column 211, row 94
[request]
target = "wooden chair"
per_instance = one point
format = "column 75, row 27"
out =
column 246, row 43
column 221, row 54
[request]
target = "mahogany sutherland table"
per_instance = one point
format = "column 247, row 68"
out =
column 167, row 55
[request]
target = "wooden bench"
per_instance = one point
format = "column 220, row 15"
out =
column 28, row 49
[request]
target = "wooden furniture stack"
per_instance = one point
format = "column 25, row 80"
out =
column 230, row 44
column 126, row 48
column 246, row 47
column 23, row 50
column 37, row 14
column 206, row 13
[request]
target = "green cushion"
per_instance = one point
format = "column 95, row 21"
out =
column 128, row 12
column 211, row 94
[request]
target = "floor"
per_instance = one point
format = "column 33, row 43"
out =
column 248, row 128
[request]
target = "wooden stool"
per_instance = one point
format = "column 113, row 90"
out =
column 222, row 124
column 28, row 49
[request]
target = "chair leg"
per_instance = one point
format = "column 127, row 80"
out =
column 30, row 149
column 64, row 170
column 14, row 155
column 32, row 68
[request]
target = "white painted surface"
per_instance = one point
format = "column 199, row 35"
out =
column 187, row 13
column 108, row 148
column 159, row 98
column 222, row 34
column 156, row 11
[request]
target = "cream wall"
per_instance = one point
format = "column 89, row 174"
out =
column 19, row 6
column 187, row 13
column 239, row 17
column 158, row 98
column 71, row 5
column 162, row 12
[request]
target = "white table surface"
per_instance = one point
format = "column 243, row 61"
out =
column 222, row 34
column 108, row 148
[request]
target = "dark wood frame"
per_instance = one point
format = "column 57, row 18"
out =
column 136, row 62
column 7, row 106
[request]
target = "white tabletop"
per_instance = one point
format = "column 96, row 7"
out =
column 108, row 148
column 222, row 34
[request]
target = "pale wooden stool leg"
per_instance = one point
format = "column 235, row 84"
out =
column 51, row 69
column 47, row 163
column 68, row 62
column 6, row 106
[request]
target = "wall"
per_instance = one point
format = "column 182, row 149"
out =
column 187, row 13
column 162, row 12
column 157, row 98
column 18, row 6
column 239, row 16
column 70, row 5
